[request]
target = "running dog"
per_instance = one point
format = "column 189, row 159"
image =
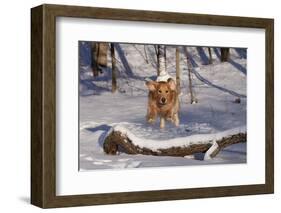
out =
column 162, row 102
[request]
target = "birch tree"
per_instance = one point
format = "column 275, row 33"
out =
column 162, row 74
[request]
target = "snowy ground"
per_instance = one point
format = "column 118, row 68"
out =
column 216, row 87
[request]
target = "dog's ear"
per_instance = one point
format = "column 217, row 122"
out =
column 172, row 84
column 151, row 85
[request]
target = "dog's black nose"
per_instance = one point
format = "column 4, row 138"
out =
column 163, row 100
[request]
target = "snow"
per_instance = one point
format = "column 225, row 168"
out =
column 155, row 145
column 216, row 114
column 163, row 77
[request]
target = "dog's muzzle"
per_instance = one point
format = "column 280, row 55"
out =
column 163, row 100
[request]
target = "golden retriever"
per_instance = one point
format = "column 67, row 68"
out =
column 162, row 102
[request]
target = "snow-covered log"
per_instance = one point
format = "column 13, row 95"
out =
column 121, row 139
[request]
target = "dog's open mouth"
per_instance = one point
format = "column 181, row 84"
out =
column 161, row 104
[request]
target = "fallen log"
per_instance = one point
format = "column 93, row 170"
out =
column 120, row 141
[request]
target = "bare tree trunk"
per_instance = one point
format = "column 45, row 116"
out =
column 192, row 99
column 102, row 55
column 113, row 64
column 189, row 68
column 157, row 58
column 210, row 55
column 165, row 57
column 161, row 60
column 178, row 70
column 117, row 140
column 95, row 52
column 224, row 54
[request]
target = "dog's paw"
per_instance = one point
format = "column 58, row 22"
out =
column 176, row 122
column 169, row 118
column 151, row 120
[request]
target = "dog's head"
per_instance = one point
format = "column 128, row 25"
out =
column 162, row 92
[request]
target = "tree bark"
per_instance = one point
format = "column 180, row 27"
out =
column 161, row 62
column 165, row 57
column 102, row 55
column 210, row 55
column 95, row 52
column 189, row 68
column 224, row 54
column 113, row 64
column 178, row 70
column 157, row 58
column 116, row 141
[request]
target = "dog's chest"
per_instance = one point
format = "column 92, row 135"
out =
column 165, row 109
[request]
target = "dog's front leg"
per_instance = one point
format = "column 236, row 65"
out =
column 170, row 115
column 162, row 122
column 151, row 115
column 176, row 120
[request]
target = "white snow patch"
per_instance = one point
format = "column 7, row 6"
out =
column 164, row 77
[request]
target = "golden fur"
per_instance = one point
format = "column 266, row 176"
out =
column 162, row 102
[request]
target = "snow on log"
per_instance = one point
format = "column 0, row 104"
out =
column 121, row 139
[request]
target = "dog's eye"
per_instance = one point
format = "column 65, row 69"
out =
column 159, row 91
column 167, row 91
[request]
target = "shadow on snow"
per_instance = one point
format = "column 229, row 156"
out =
column 104, row 127
column 204, row 58
column 126, row 64
column 204, row 80
column 233, row 63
